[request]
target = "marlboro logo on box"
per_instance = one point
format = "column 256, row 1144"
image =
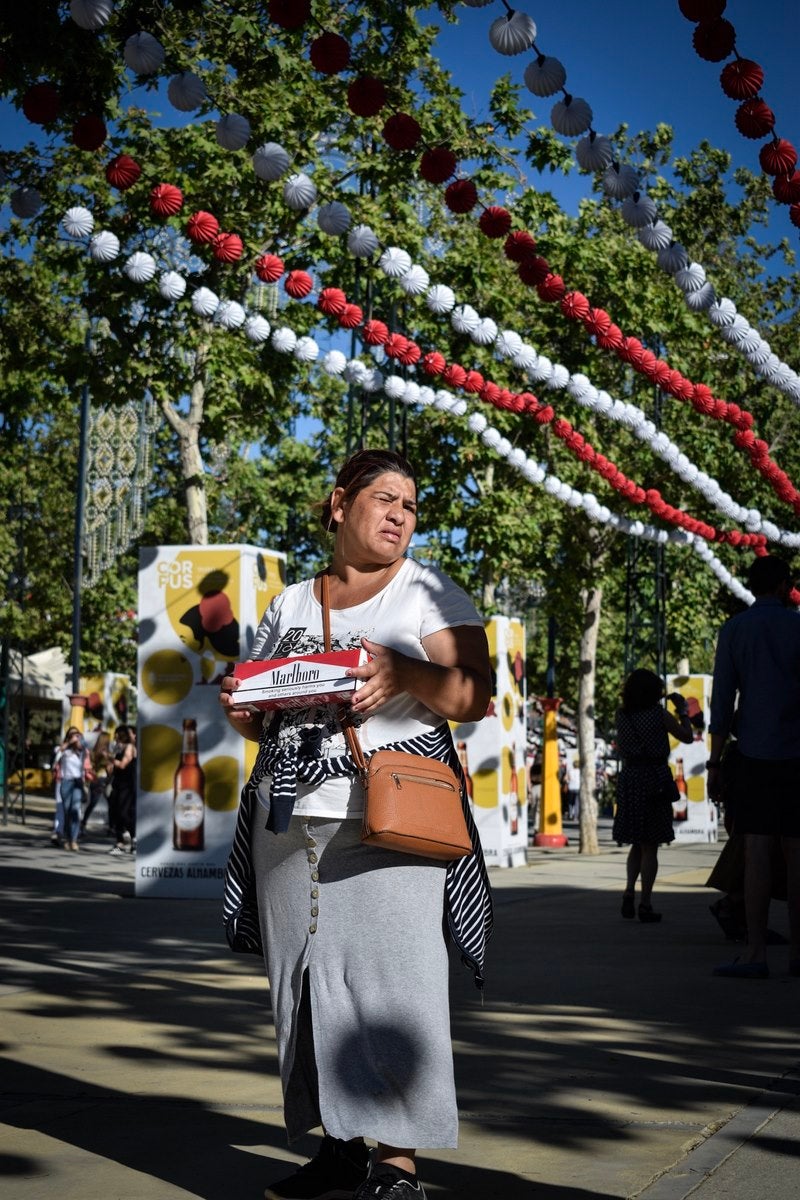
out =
column 297, row 682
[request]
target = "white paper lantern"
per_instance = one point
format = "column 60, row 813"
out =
column 545, row 76
column 655, row 236
column 25, row 202
column 508, row 343
column 691, row 277
column 299, row 192
column 525, row 358
column 362, row 242
column 171, row 285
column 334, row 362
column 233, row 131
column 485, row 332
column 373, row 380
column 513, row 33
column 440, row 298
column 186, row 91
column 104, row 246
column 412, row 392
column 257, row 329
column 284, row 340
column 477, row 422
column 229, row 314
column 559, row 378
column 355, row 372
column 571, row 116
column 78, row 222
column 491, row 437
column 143, row 54
column 672, row 258
column 205, row 302
column 334, row 218
column 306, row 350
column 723, row 312
column 638, row 210
column 395, row 387
column 270, row 161
column 595, row 152
column 91, row 14
column 140, row 267
column 700, row 299
column 579, row 386
column 464, row 318
column 541, row 370
column 415, row 281
column 619, row 181
column 394, row 262
column 759, row 353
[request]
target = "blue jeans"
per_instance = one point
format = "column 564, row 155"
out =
column 71, row 798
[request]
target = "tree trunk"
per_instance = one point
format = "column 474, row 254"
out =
column 591, row 599
column 192, row 470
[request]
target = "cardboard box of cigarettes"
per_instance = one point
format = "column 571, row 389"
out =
column 297, row 682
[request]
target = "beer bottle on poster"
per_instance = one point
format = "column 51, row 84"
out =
column 513, row 788
column 680, row 806
column 461, row 747
column 188, row 809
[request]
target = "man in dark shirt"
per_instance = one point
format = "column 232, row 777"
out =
column 758, row 663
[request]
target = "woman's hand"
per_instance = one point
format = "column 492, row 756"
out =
column 242, row 719
column 382, row 678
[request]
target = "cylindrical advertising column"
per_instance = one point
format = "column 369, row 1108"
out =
column 198, row 611
column 693, row 813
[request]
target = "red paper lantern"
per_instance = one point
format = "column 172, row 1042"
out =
column 778, row 157
column 166, row 199
column 410, row 354
column 454, row 375
column 631, row 351
column 402, row 131
column 714, row 40
column 298, row 284
column 490, row 392
column 289, row 14
column 529, row 402
column 122, row 172
column 754, row 119
column 268, row 267
column 519, row 245
column 351, row 317
column 786, row 188
column 742, row 79
column 329, row 53
column 395, row 344
column 332, row 301
column 533, row 270
column 202, row 227
column 375, row 333
column 551, row 289
column 703, row 398
column 89, row 133
column 227, row 247
column 433, row 363
column 495, row 221
column 661, row 372
column 41, row 103
column 597, row 321
column 473, row 382
column 611, row 339
column 575, row 306
column 461, row 196
column 702, row 10
column 366, row 96
column 437, row 164
column 545, row 415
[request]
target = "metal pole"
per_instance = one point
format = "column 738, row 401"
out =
column 77, row 568
column 550, row 678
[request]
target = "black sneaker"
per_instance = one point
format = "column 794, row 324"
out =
column 387, row 1183
column 334, row 1173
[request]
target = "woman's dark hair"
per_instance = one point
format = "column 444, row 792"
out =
column 642, row 689
column 360, row 470
column 126, row 731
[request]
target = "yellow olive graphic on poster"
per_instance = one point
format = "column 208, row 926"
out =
column 508, row 710
column 159, row 755
column 484, row 788
column 222, row 781
column 167, row 676
column 201, row 594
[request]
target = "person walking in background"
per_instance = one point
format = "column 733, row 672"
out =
column 645, row 787
column 100, row 755
column 573, row 787
column 122, row 801
column 73, row 767
column 757, row 679
column 354, row 936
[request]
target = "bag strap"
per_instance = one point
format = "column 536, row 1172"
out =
column 351, row 736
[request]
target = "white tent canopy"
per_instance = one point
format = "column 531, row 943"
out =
column 41, row 676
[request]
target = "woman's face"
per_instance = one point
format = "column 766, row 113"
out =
column 376, row 526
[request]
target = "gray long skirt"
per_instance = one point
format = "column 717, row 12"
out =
column 358, row 971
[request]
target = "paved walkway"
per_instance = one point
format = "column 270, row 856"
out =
column 605, row 1061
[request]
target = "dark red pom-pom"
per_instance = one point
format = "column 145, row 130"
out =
column 551, row 289
column 778, row 157
column 41, row 103
column 166, row 199
column 227, row 247
column 495, row 221
column 754, row 119
column 519, row 245
column 204, row 227
column 268, row 267
column 575, row 306
column 533, row 270
column 437, row 164
column 329, row 53
column 366, row 96
column 461, row 196
column 89, row 133
column 742, row 79
column 122, row 172
column 702, row 10
column 402, row 131
column 714, row 40
column 597, row 321
column 298, row 284
column 786, row 188
column 289, row 14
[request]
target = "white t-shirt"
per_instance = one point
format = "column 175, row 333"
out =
column 418, row 601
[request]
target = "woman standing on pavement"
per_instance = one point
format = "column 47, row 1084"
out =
column 122, row 801
column 645, row 787
column 354, row 935
column 72, row 767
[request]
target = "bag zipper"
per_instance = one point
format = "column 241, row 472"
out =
column 397, row 776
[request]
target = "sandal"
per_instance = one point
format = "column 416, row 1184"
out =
column 628, row 909
column 647, row 916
